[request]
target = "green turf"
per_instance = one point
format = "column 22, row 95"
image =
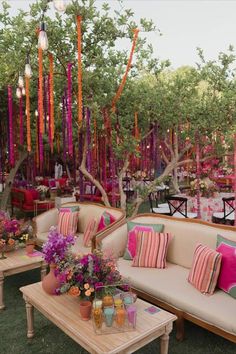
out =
column 49, row 339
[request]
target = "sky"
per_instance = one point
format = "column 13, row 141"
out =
column 184, row 24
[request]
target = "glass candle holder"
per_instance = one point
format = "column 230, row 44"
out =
column 109, row 315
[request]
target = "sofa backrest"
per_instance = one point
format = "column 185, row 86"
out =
column 90, row 210
column 186, row 234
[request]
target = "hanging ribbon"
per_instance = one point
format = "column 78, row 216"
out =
column 69, row 110
column 27, row 94
column 49, row 113
column 10, row 120
column 21, row 121
column 64, row 127
column 122, row 84
column 198, row 175
column 235, row 178
column 40, row 91
column 51, row 83
column 79, row 45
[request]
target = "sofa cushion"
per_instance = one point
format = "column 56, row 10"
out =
column 205, row 269
column 151, row 249
column 171, row 286
column 106, row 220
column 90, row 230
column 67, row 221
column 78, row 248
column 227, row 277
column 133, row 227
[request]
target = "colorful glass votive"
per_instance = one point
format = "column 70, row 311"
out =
column 132, row 315
column 118, row 302
column 120, row 316
column 109, row 315
column 97, row 304
column 98, row 317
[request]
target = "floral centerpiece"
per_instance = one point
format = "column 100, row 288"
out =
column 42, row 191
column 55, row 252
column 207, row 187
column 83, row 275
column 56, row 248
column 9, row 232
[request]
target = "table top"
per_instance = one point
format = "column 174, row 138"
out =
column 17, row 259
column 45, row 201
column 63, row 311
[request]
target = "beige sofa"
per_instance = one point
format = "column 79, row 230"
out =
column 169, row 288
column 87, row 210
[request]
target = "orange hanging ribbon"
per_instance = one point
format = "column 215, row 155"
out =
column 27, row 88
column 51, row 99
column 122, row 84
column 40, row 58
column 79, row 45
column 136, row 131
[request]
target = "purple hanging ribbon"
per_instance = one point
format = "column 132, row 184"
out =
column 69, row 109
column 10, row 120
column 198, row 175
column 49, row 112
column 40, row 137
column 64, row 127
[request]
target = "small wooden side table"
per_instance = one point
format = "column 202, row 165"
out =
column 48, row 203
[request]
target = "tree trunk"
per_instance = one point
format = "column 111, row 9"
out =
column 10, row 179
column 120, row 179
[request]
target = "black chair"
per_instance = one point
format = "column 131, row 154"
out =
column 155, row 205
column 228, row 214
column 178, row 207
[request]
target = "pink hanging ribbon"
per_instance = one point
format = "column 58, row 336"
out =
column 69, row 110
column 10, row 120
column 198, row 176
column 235, row 178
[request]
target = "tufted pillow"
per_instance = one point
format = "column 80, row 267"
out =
column 133, row 228
column 205, row 269
column 106, row 220
column 227, row 277
column 151, row 249
column 67, row 221
column 89, row 232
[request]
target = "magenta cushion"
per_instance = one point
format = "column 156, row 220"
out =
column 106, row 220
column 227, row 277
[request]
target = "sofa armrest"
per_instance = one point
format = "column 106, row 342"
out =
column 44, row 221
column 115, row 240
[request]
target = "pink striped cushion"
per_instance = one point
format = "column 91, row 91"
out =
column 151, row 249
column 67, row 222
column 205, row 269
column 90, row 230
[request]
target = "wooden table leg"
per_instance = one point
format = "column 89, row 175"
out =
column 30, row 318
column 43, row 270
column 165, row 339
column 2, row 306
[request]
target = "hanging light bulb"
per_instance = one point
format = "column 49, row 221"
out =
column 43, row 39
column 18, row 92
column 23, row 91
column 36, row 113
column 28, row 70
column 59, row 5
column 20, row 81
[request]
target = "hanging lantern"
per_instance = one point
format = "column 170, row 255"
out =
column 18, row 92
column 21, row 81
column 43, row 39
column 28, row 70
column 59, row 5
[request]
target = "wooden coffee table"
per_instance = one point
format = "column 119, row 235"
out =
column 63, row 311
column 17, row 262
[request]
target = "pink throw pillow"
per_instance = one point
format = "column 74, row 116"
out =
column 89, row 232
column 151, row 249
column 67, row 222
column 227, row 277
column 205, row 269
column 106, row 220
